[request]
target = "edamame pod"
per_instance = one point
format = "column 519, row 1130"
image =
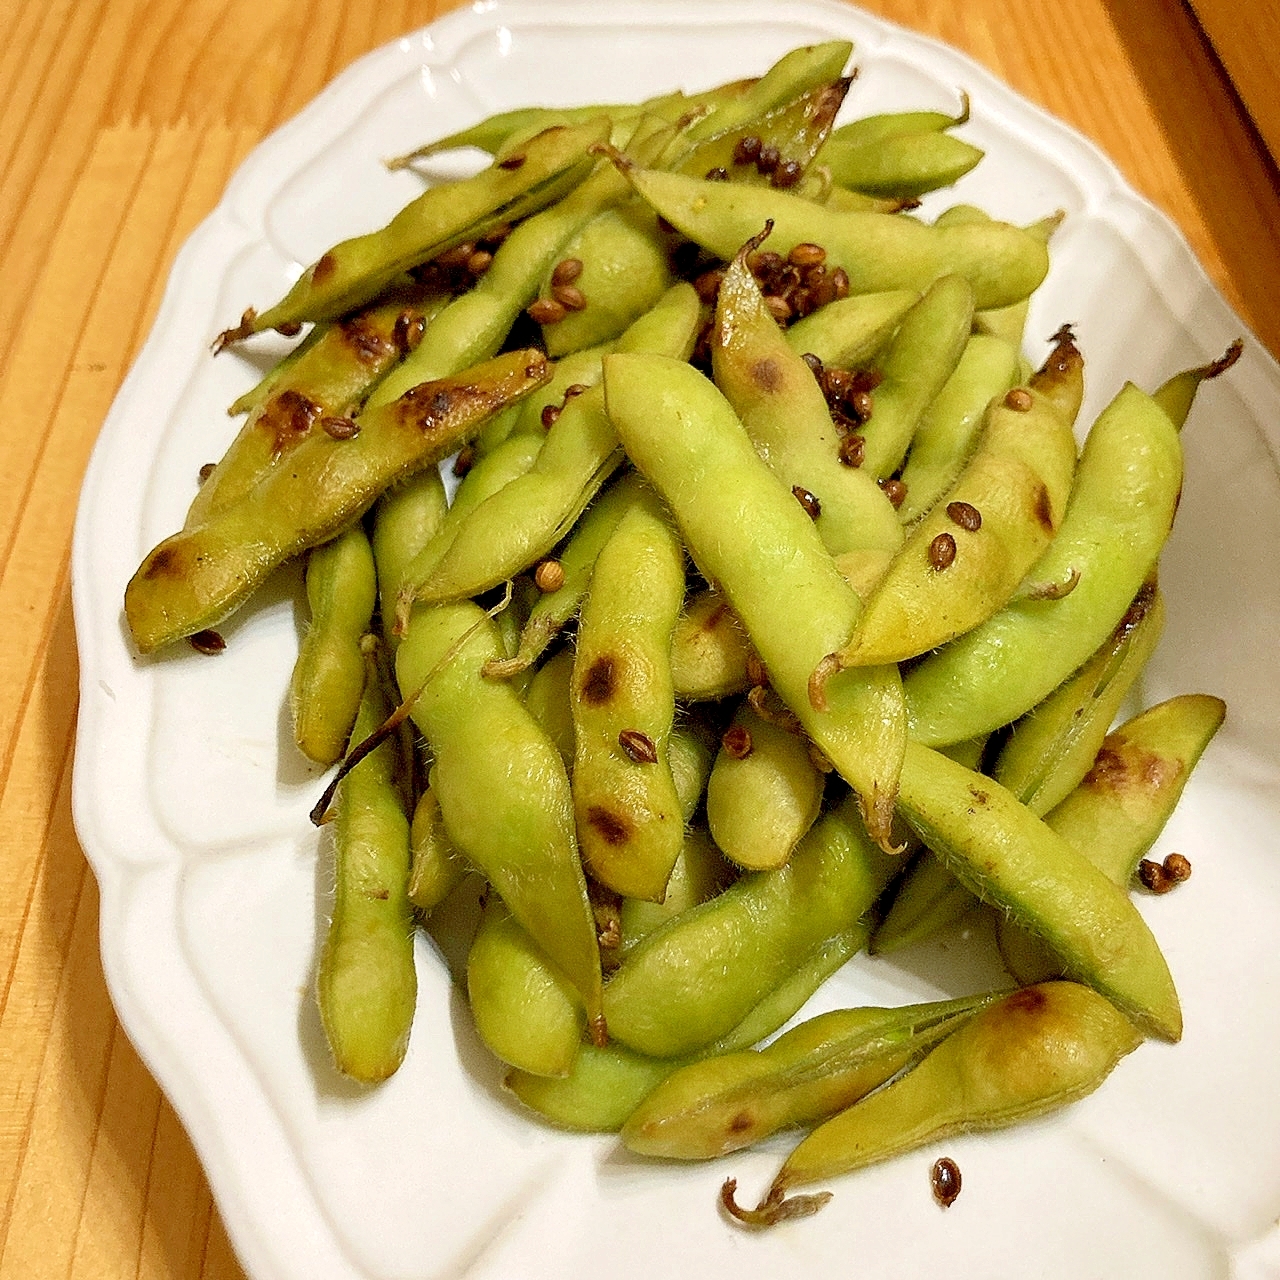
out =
column 684, row 437
column 947, row 432
column 1035, row 1051
column 367, row 985
column 519, row 525
column 405, row 519
column 553, row 609
column 764, row 792
column 1118, row 517
column 502, row 788
column 605, row 1085
column 850, row 331
column 895, row 124
column 750, row 937
column 700, row 872
column 905, row 164
column 524, row 1010
column 630, row 825
column 329, row 674
column 725, row 1103
column 919, row 359
column 709, row 649
column 193, row 579
column 966, row 558
column 330, row 378
column 1119, row 809
column 1006, row 855
column 356, row 270
column 877, row 251
column 782, row 407
column 548, row 700
column 436, row 868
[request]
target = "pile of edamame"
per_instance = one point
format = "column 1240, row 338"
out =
column 776, row 616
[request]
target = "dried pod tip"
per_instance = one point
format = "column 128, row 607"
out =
column 736, row 742
column 774, row 1208
column 243, row 330
column 1224, row 361
column 823, row 672
column 755, row 242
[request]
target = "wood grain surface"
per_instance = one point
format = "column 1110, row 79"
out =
column 120, row 121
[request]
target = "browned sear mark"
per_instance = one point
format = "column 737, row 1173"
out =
column 611, row 828
column 600, row 680
column 286, row 418
column 325, row 267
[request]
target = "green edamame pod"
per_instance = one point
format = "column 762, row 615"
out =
column 684, row 437
column 966, row 558
column 405, row 519
column 329, row 674
column 505, row 463
column 699, row 873
column 367, row 985
column 1051, row 748
column 548, row 700
column 878, row 251
column 788, row 137
column 476, row 323
column 524, row 1010
column 1117, row 812
column 722, row 1104
column 1035, row 1051
column 570, row 375
column 919, row 359
column 552, row 611
column 436, row 868
column 927, row 899
column 775, row 395
column 895, row 124
column 356, row 270
column 329, row 377
column 709, row 649
column 850, row 331
column 606, row 1085
column 516, row 527
column 905, row 164
column 796, row 72
column 623, row 269
column 502, row 788
column 661, row 1000
column 1118, row 517
column 690, row 749
column 193, row 579
column 764, row 792
column 1006, row 855
column 947, row 432
column 630, row 825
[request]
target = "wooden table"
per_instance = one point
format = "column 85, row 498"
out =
column 120, row 122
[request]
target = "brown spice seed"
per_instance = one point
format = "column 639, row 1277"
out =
column 896, row 492
column 1019, row 400
column 465, row 460
column 340, row 428
column 779, row 308
column 575, row 389
column 756, row 672
column 809, row 501
column 567, row 270
column 208, row 642
column 840, row 278
column 550, row 412
column 945, row 1180
column 549, row 576
column 206, row 471
column 1162, row 877
column 638, row 747
column 707, row 285
column 787, row 174
column 479, row 262
column 569, row 296
column 408, row 331
column 807, row 254
column 747, row 150
column 942, row 551
column 966, row 515
column 852, row 450
column 547, row 311
column 736, row 741
column 767, row 160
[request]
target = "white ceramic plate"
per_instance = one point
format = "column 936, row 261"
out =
column 191, row 802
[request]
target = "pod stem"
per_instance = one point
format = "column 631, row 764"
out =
column 774, row 1208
